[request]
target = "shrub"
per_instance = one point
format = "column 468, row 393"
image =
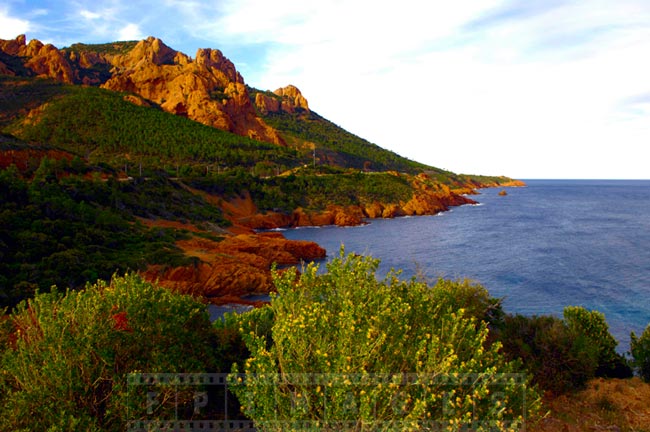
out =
column 473, row 298
column 68, row 356
column 345, row 350
column 563, row 354
column 560, row 359
column 640, row 349
column 593, row 326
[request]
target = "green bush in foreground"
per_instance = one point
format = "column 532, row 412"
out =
column 563, row 354
column 594, row 327
column 68, row 357
column 640, row 349
column 559, row 359
column 344, row 350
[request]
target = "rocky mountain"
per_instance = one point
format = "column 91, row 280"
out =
column 35, row 59
column 207, row 89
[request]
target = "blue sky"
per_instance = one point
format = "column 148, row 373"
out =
column 524, row 88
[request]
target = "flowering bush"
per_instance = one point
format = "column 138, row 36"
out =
column 344, row 350
column 68, row 355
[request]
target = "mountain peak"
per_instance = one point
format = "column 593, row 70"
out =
column 153, row 50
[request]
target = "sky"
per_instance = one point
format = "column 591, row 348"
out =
column 523, row 88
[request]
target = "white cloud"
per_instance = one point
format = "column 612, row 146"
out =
column 130, row 32
column 467, row 88
column 11, row 27
column 89, row 15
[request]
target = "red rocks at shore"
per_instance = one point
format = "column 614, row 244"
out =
column 234, row 267
column 428, row 199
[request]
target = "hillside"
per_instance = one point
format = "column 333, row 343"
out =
column 134, row 157
column 131, row 155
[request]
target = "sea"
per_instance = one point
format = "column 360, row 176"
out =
column 540, row 248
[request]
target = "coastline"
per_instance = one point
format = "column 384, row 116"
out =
column 228, row 271
column 427, row 200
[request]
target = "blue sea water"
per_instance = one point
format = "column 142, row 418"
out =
column 542, row 247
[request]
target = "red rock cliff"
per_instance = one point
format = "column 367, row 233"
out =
column 207, row 89
column 43, row 60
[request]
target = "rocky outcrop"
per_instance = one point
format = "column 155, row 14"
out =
column 287, row 99
column 292, row 98
column 43, row 60
column 207, row 89
column 511, row 183
column 432, row 197
column 13, row 47
column 333, row 215
column 237, row 266
column 267, row 104
column 48, row 61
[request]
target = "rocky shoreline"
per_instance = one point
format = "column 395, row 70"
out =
column 238, row 266
column 428, row 199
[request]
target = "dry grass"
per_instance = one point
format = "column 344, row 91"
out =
column 605, row 405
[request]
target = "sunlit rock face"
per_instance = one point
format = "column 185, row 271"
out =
column 207, row 89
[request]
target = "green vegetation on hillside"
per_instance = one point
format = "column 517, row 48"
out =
column 19, row 95
column 103, row 127
column 120, row 160
column 61, row 228
column 145, row 146
column 310, row 189
column 118, row 47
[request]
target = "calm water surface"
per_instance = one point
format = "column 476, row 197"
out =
column 542, row 247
